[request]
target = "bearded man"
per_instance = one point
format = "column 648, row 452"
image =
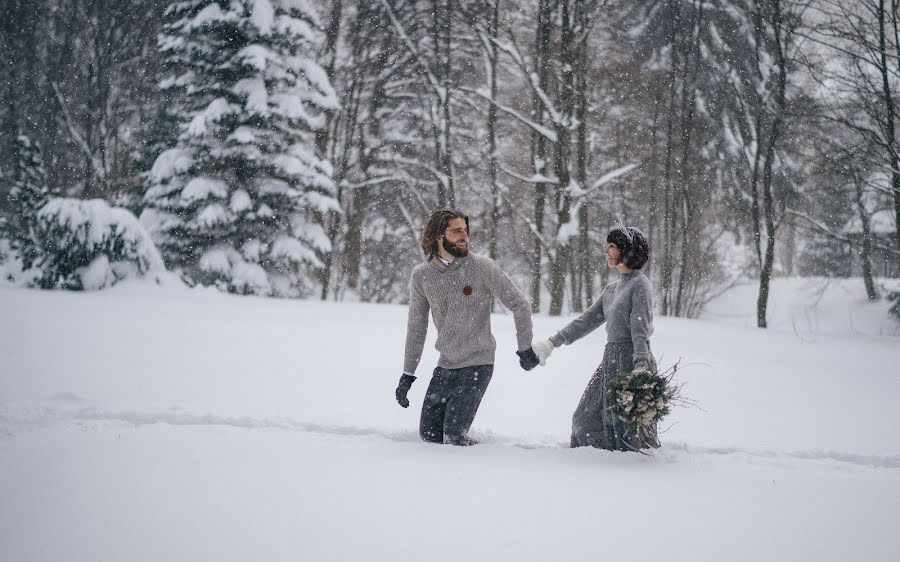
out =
column 457, row 286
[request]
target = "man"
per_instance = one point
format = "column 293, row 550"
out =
column 457, row 287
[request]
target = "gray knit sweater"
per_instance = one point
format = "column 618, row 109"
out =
column 627, row 308
column 463, row 320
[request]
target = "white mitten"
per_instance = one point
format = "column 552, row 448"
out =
column 543, row 349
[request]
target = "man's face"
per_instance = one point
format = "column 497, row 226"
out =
column 456, row 238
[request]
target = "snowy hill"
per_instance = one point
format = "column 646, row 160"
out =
column 809, row 307
column 160, row 423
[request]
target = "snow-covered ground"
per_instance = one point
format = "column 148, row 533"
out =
column 161, row 423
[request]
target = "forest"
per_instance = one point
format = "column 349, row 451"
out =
column 294, row 148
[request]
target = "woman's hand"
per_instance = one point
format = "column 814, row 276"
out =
column 644, row 366
column 543, row 349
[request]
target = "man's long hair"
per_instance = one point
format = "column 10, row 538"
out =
column 435, row 227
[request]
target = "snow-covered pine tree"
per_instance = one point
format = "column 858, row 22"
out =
column 231, row 203
column 89, row 245
column 29, row 192
column 61, row 243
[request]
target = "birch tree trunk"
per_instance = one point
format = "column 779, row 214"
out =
column 562, row 154
column 689, row 104
column 539, row 146
column 330, row 222
column 582, row 295
column 493, row 29
column 866, row 242
column 771, row 142
column 893, row 156
column 668, row 213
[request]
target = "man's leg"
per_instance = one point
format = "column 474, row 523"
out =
column 465, row 397
column 434, row 407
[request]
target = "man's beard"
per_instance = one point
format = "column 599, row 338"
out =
column 453, row 250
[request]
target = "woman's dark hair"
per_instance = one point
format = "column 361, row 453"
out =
column 435, row 227
column 632, row 243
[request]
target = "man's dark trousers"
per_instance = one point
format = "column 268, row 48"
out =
column 451, row 403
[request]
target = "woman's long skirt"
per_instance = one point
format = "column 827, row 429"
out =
column 594, row 423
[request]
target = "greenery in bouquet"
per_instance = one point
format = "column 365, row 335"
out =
column 642, row 398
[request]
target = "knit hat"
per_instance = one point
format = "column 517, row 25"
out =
column 632, row 243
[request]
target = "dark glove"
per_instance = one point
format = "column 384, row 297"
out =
column 527, row 359
column 402, row 388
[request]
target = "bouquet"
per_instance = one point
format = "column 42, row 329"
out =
column 640, row 399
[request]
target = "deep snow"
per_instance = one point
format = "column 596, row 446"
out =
column 161, row 423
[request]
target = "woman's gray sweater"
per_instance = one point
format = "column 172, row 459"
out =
column 627, row 308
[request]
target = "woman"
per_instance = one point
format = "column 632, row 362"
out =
column 626, row 307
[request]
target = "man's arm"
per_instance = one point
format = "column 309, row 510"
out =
column 509, row 295
column 416, row 327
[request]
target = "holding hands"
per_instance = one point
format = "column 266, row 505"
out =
column 536, row 355
column 527, row 359
column 543, row 349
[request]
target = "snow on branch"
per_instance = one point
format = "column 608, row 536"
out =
column 545, row 132
column 432, row 79
column 608, row 178
column 512, row 49
column 418, row 163
column 372, row 181
column 534, row 178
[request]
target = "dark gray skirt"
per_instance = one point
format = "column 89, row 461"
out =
column 594, row 423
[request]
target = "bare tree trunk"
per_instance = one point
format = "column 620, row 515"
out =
column 539, row 148
column 493, row 27
column 668, row 212
column 653, row 219
column 354, row 212
column 766, row 273
column 448, row 166
column 582, row 294
column 574, row 278
column 330, row 222
column 866, row 243
column 361, row 121
column 759, row 119
column 562, row 148
column 895, row 177
column 768, row 199
column 890, row 114
column 689, row 104
column 754, row 194
column 353, row 240
column 585, row 295
column 441, row 36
